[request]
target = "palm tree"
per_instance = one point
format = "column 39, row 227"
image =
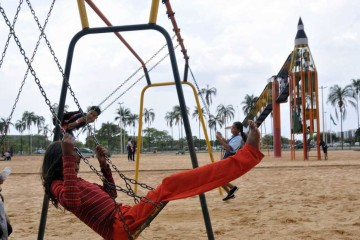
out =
column 170, row 118
column 196, row 115
column 133, row 118
column 213, row 122
column 356, row 87
column 340, row 97
column 208, row 93
column 39, row 122
column 20, row 126
column 249, row 103
column 122, row 115
column 149, row 117
column 4, row 126
column 225, row 113
column 45, row 129
column 179, row 121
column 29, row 118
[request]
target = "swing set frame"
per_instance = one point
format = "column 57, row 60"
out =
column 177, row 82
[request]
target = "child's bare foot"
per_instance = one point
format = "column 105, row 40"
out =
column 253, row 135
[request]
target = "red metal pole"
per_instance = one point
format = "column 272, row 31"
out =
column 102, row 16
column 276, row 119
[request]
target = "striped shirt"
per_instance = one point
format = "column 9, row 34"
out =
column 90, row 202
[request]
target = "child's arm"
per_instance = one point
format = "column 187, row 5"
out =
column 101, row 152
column 67, row 191
column 75, row 121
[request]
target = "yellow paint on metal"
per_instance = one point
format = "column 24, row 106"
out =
column 154, row 11
column 83, row 14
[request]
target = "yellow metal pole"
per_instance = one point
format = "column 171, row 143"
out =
column 137, row 163
column 139, row 138
column 154, row 11
column 83, row 14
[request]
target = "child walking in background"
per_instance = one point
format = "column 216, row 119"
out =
column 95, row 205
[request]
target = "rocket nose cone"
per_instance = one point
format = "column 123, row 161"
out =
column 300, row 38
column 300, row 22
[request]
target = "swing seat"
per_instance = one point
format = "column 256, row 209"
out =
column 147, row 222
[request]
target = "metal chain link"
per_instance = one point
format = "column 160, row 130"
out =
column 58, row 122
column 78, row 104
column 25, row 77
column 52, row 52
column 111, row 185
column 67, row 82
column 10, row 34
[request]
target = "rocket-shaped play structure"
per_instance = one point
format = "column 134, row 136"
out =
column 296, row 83
column 303, row 94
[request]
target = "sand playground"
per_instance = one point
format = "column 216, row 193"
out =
column 279, row 199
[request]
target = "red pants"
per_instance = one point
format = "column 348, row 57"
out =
column 189, row 183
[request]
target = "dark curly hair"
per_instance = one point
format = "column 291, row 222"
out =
column 52, row 169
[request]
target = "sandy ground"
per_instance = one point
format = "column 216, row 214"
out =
column 279, row 199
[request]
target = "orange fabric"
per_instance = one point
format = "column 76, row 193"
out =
column 189, row 183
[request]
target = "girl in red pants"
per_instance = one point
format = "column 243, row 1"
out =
column 94, row 204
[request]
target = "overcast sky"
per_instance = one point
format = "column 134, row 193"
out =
column 234, row 46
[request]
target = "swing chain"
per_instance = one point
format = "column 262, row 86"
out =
column 111, row 186
column 118, row 188
column 10, row 34
column 43, row 93
column 1, row 61
column 26, row 74
column 32, row 71
column 126, row 179
column 52, row 52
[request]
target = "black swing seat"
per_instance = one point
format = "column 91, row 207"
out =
column 148, row 220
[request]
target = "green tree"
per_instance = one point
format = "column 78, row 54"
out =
column 170, row 118
column 107, row 135
column 356, row 87
column 213, row 122
column 340, row 97
column 45, row 129
column 249, row 103
column 179, row 120
column 131, row 121
column 39, row 121
column 225, row 113
column 123, row 115
column 208, row 93
column 149, row 117
column 357, row 135
column 4, row 126
column 29, row 118
column 196, row 115
column 20, row 126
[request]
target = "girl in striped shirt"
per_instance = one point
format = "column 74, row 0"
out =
column 95, row 205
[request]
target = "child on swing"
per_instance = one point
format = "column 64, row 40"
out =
column 76, row 120
column 94, row 204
